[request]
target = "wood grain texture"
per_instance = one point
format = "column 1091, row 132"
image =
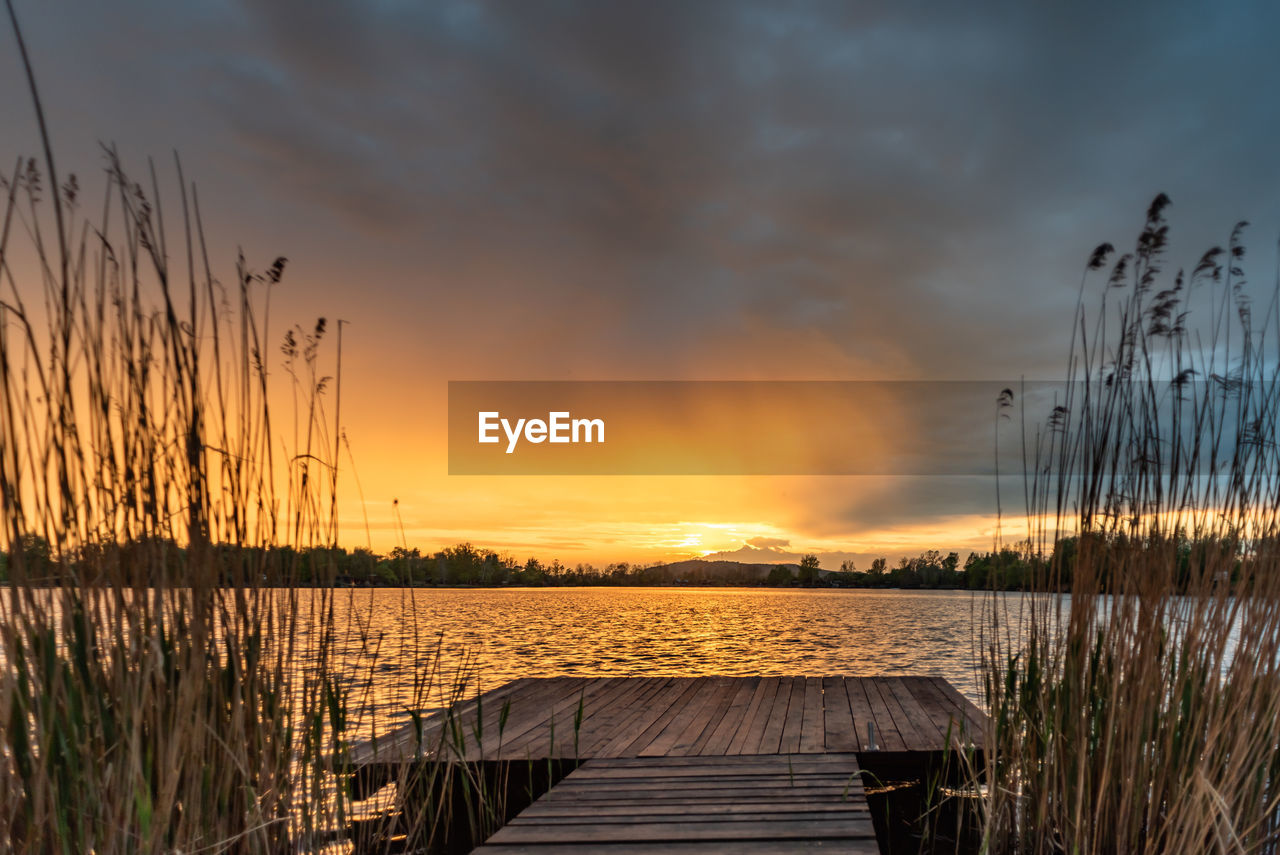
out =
column 688, row 716
column 697, row 804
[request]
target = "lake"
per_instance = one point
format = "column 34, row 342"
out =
column 506, row 633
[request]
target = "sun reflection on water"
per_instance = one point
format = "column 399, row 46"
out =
column 549, row 632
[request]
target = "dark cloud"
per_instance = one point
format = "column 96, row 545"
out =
column 727, row 166
column 885, row 502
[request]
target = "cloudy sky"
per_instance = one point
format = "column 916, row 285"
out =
column 663, row 191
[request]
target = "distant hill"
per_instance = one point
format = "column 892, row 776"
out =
column 714, row 572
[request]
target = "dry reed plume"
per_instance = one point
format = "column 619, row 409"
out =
column 1143, row 715
column 168, row 685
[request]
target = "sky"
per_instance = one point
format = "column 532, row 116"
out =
column 670, row 191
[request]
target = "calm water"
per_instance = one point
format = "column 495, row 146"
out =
column 550, row 632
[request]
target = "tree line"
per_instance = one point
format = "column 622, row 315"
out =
column 467, row 565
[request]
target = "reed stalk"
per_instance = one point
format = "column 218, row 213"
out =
column 178, row 675
column 1141, row 714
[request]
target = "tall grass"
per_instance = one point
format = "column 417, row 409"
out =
column 148, row 693
column 1143, row 714
column 177, row 674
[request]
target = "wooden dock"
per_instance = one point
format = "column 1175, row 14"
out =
column 750, row 804
column 697, row 764
column 575, row 718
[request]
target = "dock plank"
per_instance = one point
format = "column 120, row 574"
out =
column 863, row 715
column 839, row 732
column 812, row 724
column 536, row 734
column 605, row 725
column 696, row 738
column 686, row 726
column 794, row 720
column 738, row 847
column 530, row 707
column 973, row 716
column 569, row 742
column 887, row 736
column 912, row 738
column 673, row 716
column 655, row 720
column 646, row 714
column 949, row 722
column 747, row 738
column 747, row 804
column 718, row 740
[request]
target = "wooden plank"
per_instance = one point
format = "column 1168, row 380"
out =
column 660, row 832
column 492, row 736
column 698, row 814
column 698, row 804
column 653, row 722
column 608, row 787
column 746, row 761
column 973, row 715
column 603, row 710
column 718, row 741
column 839, row 733
column 683, row 729
column 790, row 742
column 677, row 806
column 535, row 738
column 716, row 790
column 402, row 742
column 604, row 725
column 529, row 708
column 695, row 738
column 722, row 776
column 771, row 737
column 963, row 712
column 526, row 701
column 850, row 846
column 757, row 799
column 607, row 710
column 812, row 728
column 911, row 739
column 458, row 723
column 926, row 735
column 713, row 717
column 887, row 736
column 533, row 708
column 677, row 799
column 747, row 765
column 861, row 709
column 950, row 722
column 644, row 717
column 569, row 743
column 688, row 707
column 620, row 720
column 747, row 737
column 725, row 772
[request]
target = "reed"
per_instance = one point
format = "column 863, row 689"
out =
column 150, row 635
column 178, row 675
column 1142, row 713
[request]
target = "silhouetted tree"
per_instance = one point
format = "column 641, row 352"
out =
column 780, row 575
column 808, row 574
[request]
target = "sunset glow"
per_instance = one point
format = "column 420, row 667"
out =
column 804, row 209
